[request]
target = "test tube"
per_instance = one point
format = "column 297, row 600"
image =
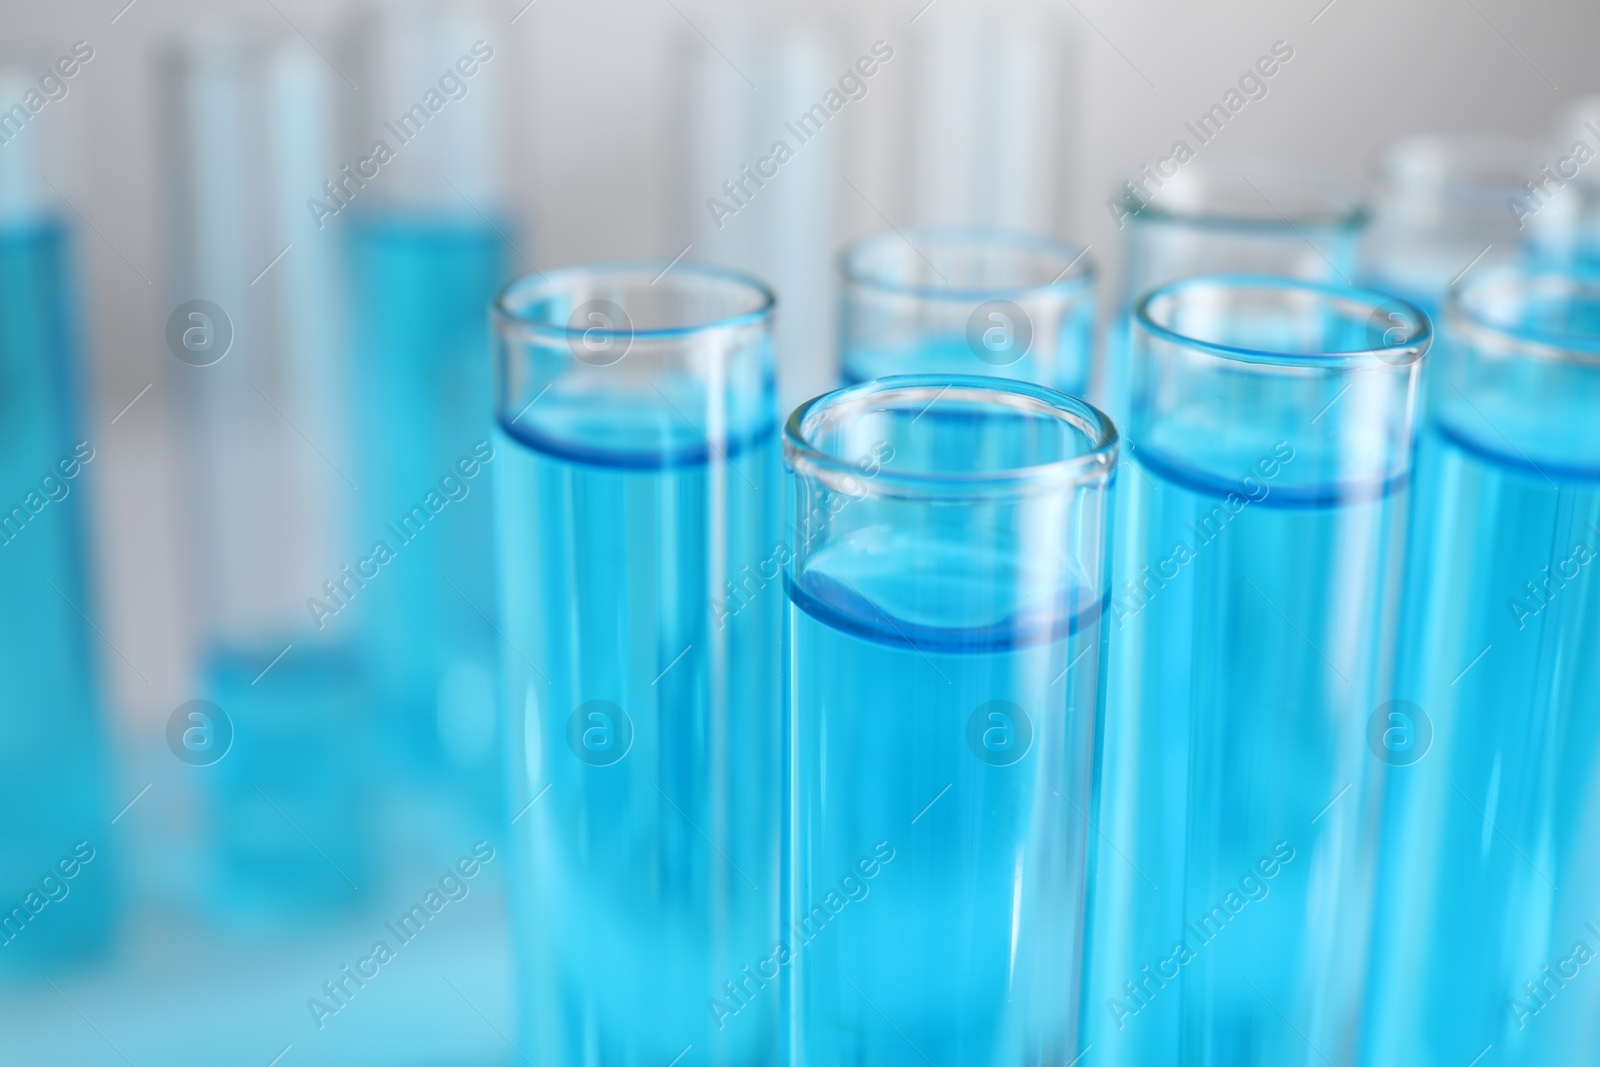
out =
column 1252, row 617
column 422, row 205
column 1490, row 888
column 637, row 502
column 56, row 892
column 1220, row 213
column 946, row 648
column 940, row 300
column 1449, row 203
column 1576, row 143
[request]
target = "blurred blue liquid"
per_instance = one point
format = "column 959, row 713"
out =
column 289, row 764
column 52, row 761
column 961, row 930
column 421, row 286
column 652, row 734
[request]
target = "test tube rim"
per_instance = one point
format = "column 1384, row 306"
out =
column 1094, row 465
column 510, row 303
column 1078, row 277
column 1465, row 319
column 1346, row 209
column 1399, row 356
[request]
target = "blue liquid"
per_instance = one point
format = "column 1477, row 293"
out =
column 52, row 760
column 963, row 877
column 421, row 288
column 647, row 865
column 1245, row 664
column 1069, row 371
column 1470, row 912
column 292, row 834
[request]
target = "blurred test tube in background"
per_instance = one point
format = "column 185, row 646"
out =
column 1447, row 204
column 1576, row 136
column 56, row 886
column 285, row 739
column 422, row 200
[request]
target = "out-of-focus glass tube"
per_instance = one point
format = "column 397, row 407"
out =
column 947, row 574
column 637, row 495
column 427, row 229
column 1252, row 625
column 256, row 330
column 56, row 890
column 1576, row 133
column 967, row 301
column 1490, row 887
column 1221, row 213
column 1447, row 203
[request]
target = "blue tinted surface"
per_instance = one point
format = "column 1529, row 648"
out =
column 944, row 711
column 421, row 288
column 1248, row 634
column 644, row 700
column 1491, row 876
column 52, row 761
column 1069, row 373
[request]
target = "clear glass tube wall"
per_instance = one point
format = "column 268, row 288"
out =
column 637, row 501
column 1490, row 889
column 1252, row 620
column 967, row 301
column 1221, row 213
column 947, row 573
column 1449, row 203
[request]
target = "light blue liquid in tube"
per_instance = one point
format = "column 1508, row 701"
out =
column 639, row 547
column 56, row 889
column 1490, row 890
column 1222, row 213
column 420, row 283
column 954, row 300
column 947, row 578
column 1447, row 204
column 1252, row 621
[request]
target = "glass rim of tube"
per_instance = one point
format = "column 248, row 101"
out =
column 1342, row 203
column 1470, row 310
column 511, row 305
column 1377, row 308
column 1078, row 274
column 1461, row 158
column 1093, row 463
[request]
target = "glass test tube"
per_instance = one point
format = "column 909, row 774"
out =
column 637, row 496
column 1222, row 213
column 1252, row 621
column 1575, row 133
column 947, row 575
column 56, row 892
column 1490, row 888
column 1444, row 205
column 427, row 230
column 967, row 301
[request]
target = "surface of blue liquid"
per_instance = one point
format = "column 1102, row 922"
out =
column 421, row 288
column 1491, row 870
column 645, row 732
column 292, row 828
column 52, row 759
column 1067, row 370
column 944, row 714
column 1248, row 640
